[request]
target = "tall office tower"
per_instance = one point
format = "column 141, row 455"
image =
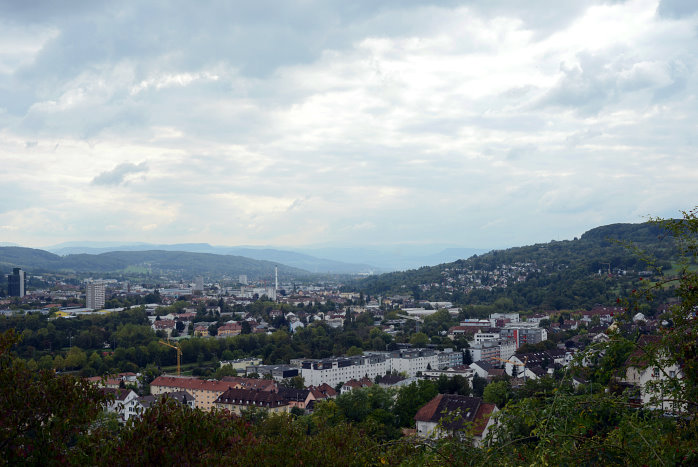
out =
column 198, row 284
column 242, row 278
column 16, row 283
column 95, row 295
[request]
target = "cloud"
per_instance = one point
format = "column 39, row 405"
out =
column 118, row 174
column 421, row 120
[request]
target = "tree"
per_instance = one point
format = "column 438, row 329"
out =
column 43, row 417
column 419, row 339
column 496, row 393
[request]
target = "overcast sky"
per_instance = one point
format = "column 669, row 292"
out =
column 316, row 122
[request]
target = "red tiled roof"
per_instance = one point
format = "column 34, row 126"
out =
column 471, row 409
column 187, row 383
column 164, row 324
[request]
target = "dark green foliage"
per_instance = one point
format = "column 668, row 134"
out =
column 569, row 271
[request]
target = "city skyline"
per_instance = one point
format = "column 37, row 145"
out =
column 294, row 124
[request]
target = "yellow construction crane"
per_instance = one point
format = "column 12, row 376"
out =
column 179, row 354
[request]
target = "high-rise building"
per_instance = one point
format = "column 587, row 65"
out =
column 242, row 278
column 16, row 283
column 198, row 284
column 94, row 295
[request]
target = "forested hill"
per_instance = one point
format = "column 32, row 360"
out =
column 555, row 275
column 154, row 261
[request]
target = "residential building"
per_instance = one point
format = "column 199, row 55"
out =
column 238, row 400
column 95, row 295
column 524, row 333
column 277, row 372
column 456, row 415
column 650, row 379
column 488, row 351
column 354, row 384
column 242, row 363
column 181, row 397
column 338, row 370
column 165, row 325
column 205, row 392
column 16, row 283
column 229, row 330
column 497, row 318
column 124, row 404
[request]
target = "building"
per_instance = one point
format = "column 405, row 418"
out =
column 488, row 351
column 94, row 295
column 277, row 372
column 16, row 283
column 205, row 392
column 198, row 284
column 413, row 361
column 229, row 330
column 524, row 333
column 238, row 400
column 124, row 403
column 497, row 318
column 339, row 370
column 462, row 416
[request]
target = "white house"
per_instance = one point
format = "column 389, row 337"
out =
column 452, row 414
column 125, row 404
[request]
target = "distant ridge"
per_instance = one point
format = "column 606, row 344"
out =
column 290, row 258
column 189, row 264
column 559, row 274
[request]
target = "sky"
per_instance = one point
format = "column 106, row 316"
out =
column 335, row 123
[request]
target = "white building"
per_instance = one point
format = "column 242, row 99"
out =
column 511, row 317
column 409, row 361
column 94, row 295
column 339, row 370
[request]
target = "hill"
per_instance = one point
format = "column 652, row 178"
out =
column 153, row 261
column 554, row 275
column 290, row 258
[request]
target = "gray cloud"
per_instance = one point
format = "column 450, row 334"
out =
column 117, row 175
column 360, row 122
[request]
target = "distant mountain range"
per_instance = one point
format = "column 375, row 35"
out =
column 150, row 261
column 350, row 260
column 289, row 258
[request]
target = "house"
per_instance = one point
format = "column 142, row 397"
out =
column 455, row 415
column 238, row 400
column 200, row 330
column 238, row 382
column 323, row 391
column 229, row 330
column 295, row 397
column 481, row 368
column 389, row 380
column 355, row 384
column 205, row 392
column 182, row 397
column 649, row 378
column 125, row 403
column 165, row 325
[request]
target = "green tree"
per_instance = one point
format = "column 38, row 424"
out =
column 419, row 339
column 43, row 417
column 497, row 393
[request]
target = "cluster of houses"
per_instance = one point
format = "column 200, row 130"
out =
column 238, row 395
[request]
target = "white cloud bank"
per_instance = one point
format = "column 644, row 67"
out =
column 300, row 123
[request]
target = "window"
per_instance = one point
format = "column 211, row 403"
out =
column 655, row 373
